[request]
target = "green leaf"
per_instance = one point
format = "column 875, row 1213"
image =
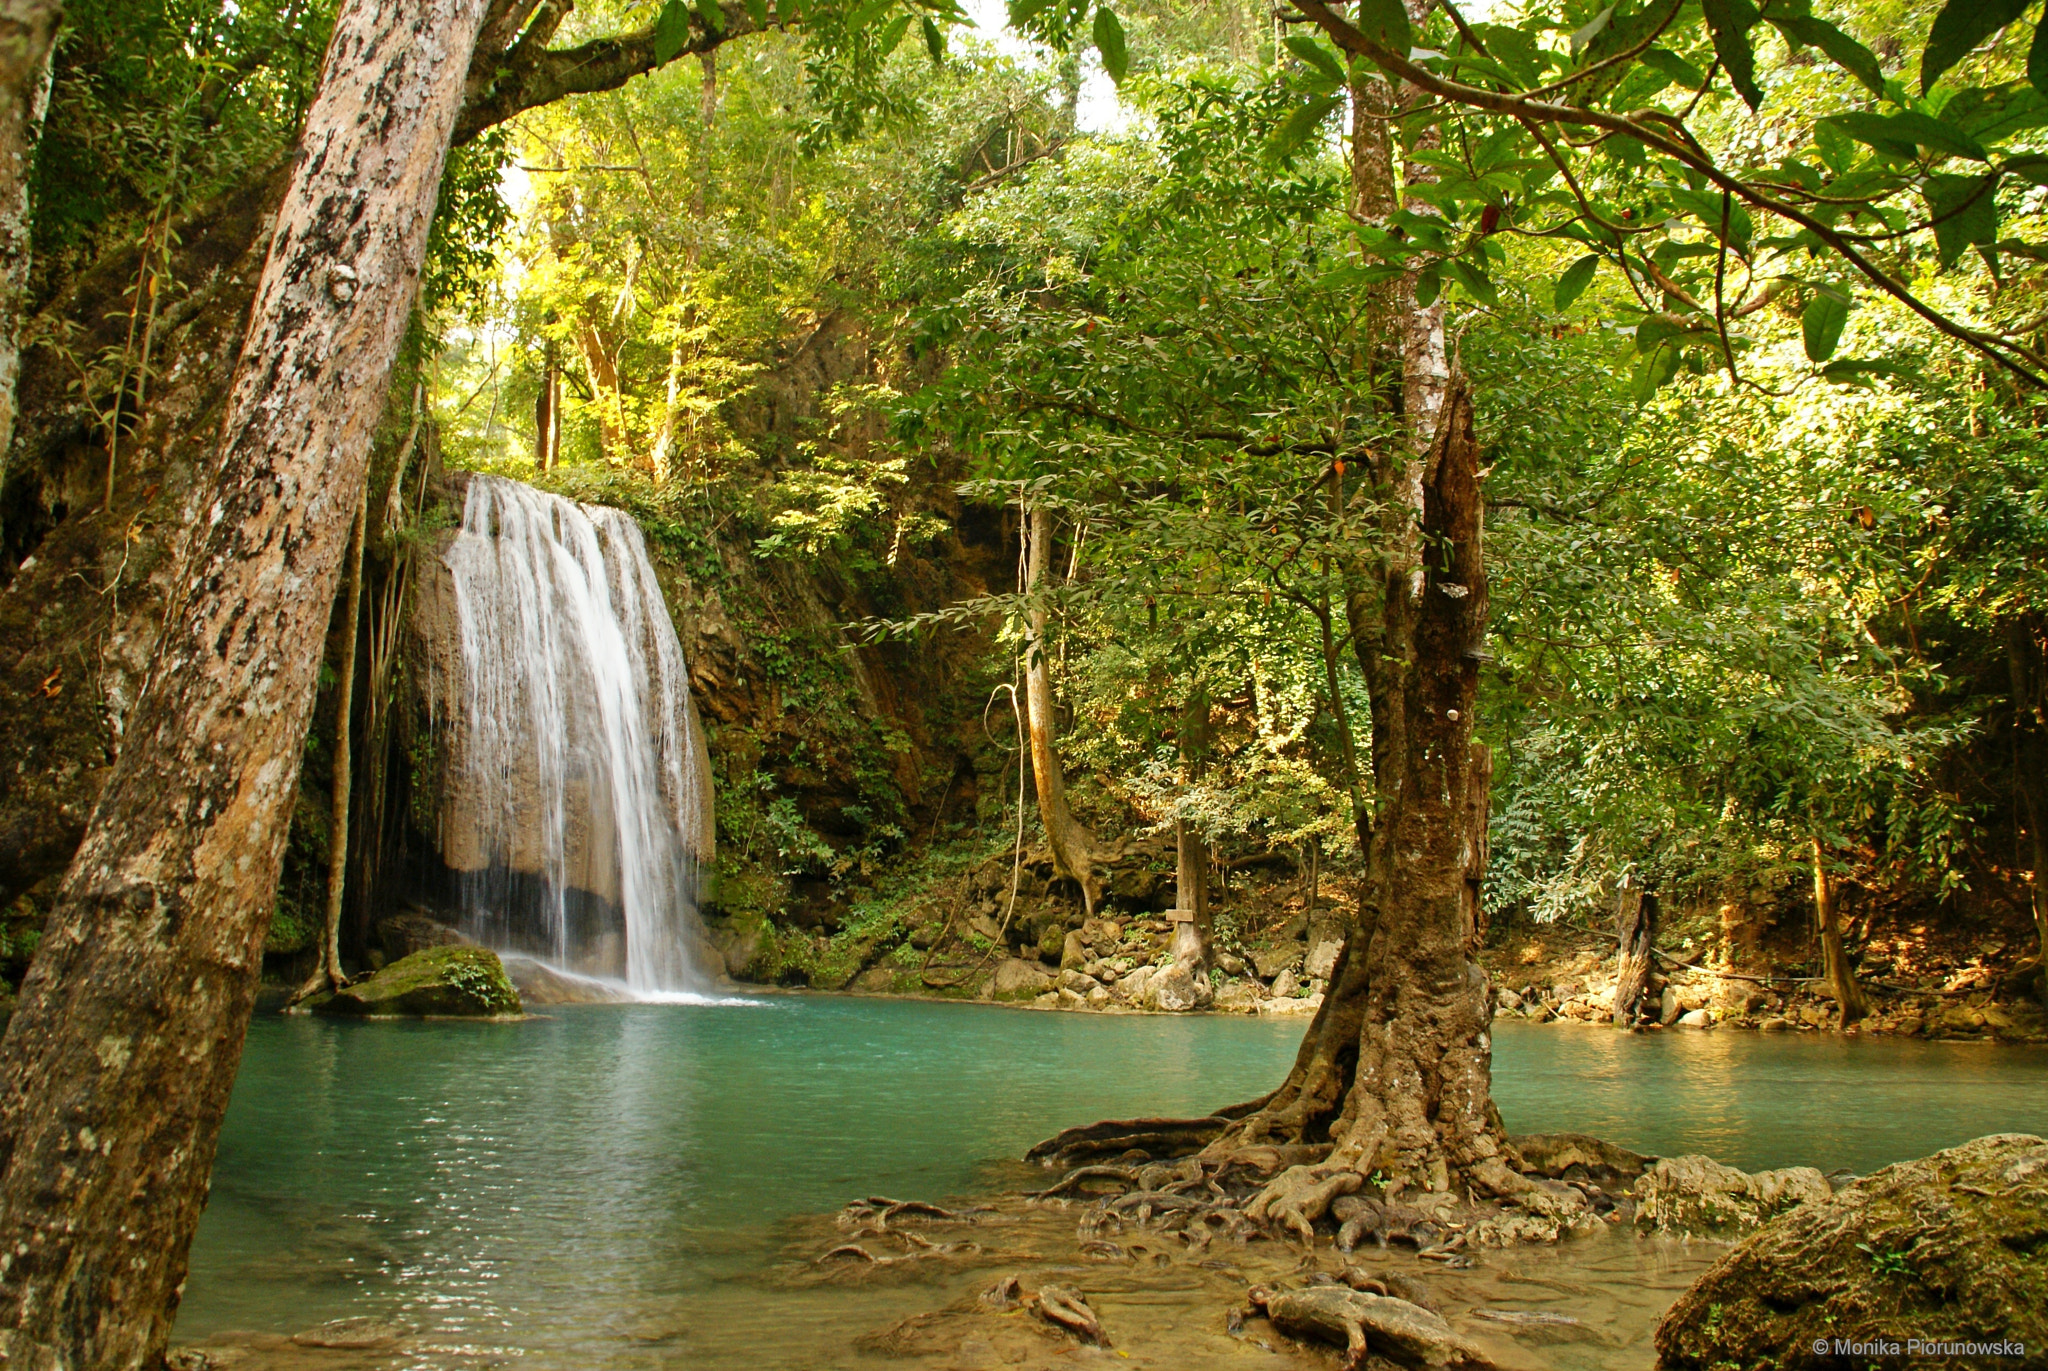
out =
column 1965, row 211
column 1730, row 22
column 2037, row 59
column 671, row 32
column 1022, row 12
column 1473, row 278
column 892, row 33
column 1300, row 126
column 1593, row 29
column 1672, row 65
column 1573, row 283
column 1903, row 132
column 934, row 42
column 1317, row 56
column 1844, row 51
column 1429, row 283
column 1109, row 41
column 711, row 14
column 2033, row 169
column 1655, row 371
column 1992, row 113
column 1386, row 23
column 757, row 10
column 1961, row 26
column 1820, row 323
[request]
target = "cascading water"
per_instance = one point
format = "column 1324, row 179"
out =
column 576, row 792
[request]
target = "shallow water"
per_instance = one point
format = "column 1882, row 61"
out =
column 638, row 1185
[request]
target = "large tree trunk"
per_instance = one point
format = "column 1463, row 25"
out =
column 1834, row 957
column 1074, row 853
column 28, row 34
column 1635, row 928
column 119, row 1062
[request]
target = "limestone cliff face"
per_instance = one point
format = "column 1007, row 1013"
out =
column 568, row 785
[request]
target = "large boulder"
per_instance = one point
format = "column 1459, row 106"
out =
column 458, row 982
column 1701, row 1197
column 1017, row 979
column 539, row 983
column 401, row 935
column 1175, row 989
column 1950, row 1249
column 1271, row 961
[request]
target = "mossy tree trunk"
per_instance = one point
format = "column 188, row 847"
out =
column 28, row 37
column 119, row 1062
column 2027, row 653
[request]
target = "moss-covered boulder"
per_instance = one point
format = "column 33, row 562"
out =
column 462, row 982
column 1952, row 1249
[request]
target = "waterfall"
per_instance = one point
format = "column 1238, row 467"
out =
column 576, row 795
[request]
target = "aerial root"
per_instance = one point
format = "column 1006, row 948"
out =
column 874, row 1213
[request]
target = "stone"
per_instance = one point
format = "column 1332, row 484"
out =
column 1230, row 964
column 1700, row 1197
column 1174, row 990
column 1017, row 979
column 1052, row 943
column 1287, row 1005
column 1696, row 1018
column 1507, row 999
column 1098, row 997
column 743, row 954
column 875, row 980
column 1238, row 997
column 1271, row 961
column 1775, row 1024
column 986, row 928
column 1322, row 958
column 1132, row 985
column 456, row 982
column 1578, row 1157
column 401, row 935
column 361, row 1334
column 1073, row 951
column 1944, row 1249
column 1071, row 1000
column 1080, row 982
column 541, row 984
column 1668, row 1008
column 1285, row 985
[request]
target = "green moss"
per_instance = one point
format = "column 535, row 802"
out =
column 459, row 981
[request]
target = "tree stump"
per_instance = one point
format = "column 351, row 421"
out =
column 1635, row 922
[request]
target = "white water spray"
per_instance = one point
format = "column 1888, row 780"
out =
column 584, row 799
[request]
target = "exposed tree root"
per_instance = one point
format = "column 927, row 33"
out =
column 1067, row 1307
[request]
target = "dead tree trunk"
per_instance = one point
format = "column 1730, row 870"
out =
column 28, row 34
column 1074, row 854
column 1834, row 957
column 119, row 1062
column 1635, row 926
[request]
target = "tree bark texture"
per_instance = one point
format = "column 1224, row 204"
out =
column 119, row 1062
column 1396, row 1069
column 1635, row 927
column 1834, row 957
column 1192, row 928
column 344, row 756
column 1074, row 851
column 28, row 34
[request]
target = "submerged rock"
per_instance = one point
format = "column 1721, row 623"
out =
column 1700, row 1196
column 539, row 983
column 1947, row 1249
column 1366, row 1324
column 464, row 982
